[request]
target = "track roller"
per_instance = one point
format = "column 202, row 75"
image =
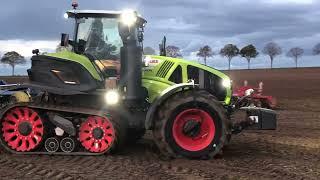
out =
column 67, row 145
column 52, row 145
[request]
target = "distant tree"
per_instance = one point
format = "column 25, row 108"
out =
column 205, row 52
column 249, row 52
column 295, row 53
column 230, row 51
column 173, row 51
column 316, row 49
column 13, row 58
column 149, row 51
column 272, row 50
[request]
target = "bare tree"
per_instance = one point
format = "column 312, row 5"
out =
column 230, row 51
column 149, row 51
column 295, row 53
column 13, row 58
column 173, row 51
column 249, row 52
column 316, row 49
column 205, row 52
column 272, row 50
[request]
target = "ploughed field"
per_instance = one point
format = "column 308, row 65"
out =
column 290, row 152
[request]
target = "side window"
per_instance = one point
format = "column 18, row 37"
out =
column 193, row 73
column 210, row 81
column 176, row 76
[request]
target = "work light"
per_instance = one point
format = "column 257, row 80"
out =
column 112, row 97
column 128, row 17
column 65, row 15
column 226, row 83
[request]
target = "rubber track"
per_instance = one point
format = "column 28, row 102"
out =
column 68, row 109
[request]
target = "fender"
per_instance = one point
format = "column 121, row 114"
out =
column 164, row 96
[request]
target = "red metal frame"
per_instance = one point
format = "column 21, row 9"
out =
column 257, row 96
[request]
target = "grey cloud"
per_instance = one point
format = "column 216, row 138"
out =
column 187, row 23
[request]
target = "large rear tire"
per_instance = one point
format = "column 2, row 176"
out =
column 192, row 124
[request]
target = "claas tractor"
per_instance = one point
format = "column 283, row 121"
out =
column 100, row 92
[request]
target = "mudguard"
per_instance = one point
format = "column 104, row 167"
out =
column 164, row 96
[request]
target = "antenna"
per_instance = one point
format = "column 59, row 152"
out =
column 75, row 4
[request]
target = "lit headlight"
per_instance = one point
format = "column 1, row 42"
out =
column 112, row 97
column 66, row 16
column 128, row 17
column 226, row 83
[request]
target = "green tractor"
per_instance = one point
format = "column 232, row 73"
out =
column 100, row 93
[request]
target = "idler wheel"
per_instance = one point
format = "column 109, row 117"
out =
column 97, row 134
column 22, row 129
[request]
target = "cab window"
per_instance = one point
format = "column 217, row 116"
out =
column 176, row 76
column 193, row 73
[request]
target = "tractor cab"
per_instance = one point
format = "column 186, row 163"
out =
column 100, row 35
column 103, row 41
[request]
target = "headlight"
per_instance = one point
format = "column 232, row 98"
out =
column 226, row 83
column 66, row 16
column 128, row 17
column 112, row 97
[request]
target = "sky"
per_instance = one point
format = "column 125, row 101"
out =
column 188, row 24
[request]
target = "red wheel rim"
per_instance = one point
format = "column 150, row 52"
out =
column 204, row 135
column 97, row 134
column 22, row 129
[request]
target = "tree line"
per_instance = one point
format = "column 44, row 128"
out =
column 248, row 52
column 229, row 51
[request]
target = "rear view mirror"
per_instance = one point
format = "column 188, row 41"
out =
column 64, row 40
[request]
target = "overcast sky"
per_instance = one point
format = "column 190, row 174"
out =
column 188, row 24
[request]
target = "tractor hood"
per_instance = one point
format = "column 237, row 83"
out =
column 161, row 72
column 81, row 59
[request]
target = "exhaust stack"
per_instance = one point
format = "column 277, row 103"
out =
column 131, row 62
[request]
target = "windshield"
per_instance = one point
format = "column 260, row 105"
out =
column 101, row 37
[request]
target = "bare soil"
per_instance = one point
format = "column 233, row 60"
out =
column 290, row 152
